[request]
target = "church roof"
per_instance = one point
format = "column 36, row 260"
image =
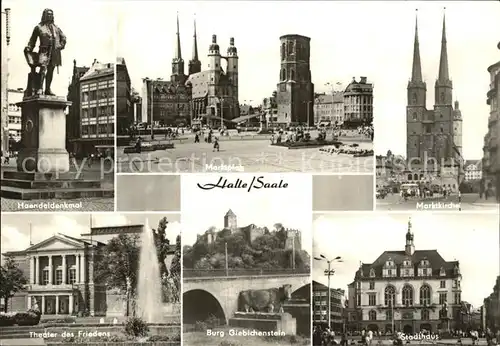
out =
column 199, row 84
column 436, row 262
column 230, row 213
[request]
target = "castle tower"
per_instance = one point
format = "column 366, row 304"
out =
column 177, row 61
column 232, row 74
column 230, row 220
column 295, row 90
column 194, row 63
column 416, row 104
column 410, row 246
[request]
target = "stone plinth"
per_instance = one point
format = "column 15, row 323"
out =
column 282, row 323
column 43, row 135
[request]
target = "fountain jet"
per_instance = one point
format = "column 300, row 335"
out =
column 149, row 287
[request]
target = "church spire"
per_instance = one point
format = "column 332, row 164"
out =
column 443, row 61
column 194, row 63
column 416, row 73
column 177, row 62
column 195, row 43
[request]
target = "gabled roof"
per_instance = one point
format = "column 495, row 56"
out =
column 99, row 69
column 70, row 241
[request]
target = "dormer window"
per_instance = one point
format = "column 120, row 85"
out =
column 372, row 272
column 456, row 270
column 442, row 272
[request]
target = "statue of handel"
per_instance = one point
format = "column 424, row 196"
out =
column 52, row 41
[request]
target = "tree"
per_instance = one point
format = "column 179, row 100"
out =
column 162, row 245
column 175, row 270
column 12, row 280
column 118, row 265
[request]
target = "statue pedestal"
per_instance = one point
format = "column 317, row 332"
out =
column 43, row 135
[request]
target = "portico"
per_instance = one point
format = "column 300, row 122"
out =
column 58, row 275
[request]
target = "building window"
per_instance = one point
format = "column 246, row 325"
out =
column 424, row 272
column 72, row 276
column 389, row 272
column 425, row 315
column 372, row 273
column 59, row 276
column 388, row 315
column 358, row 299
column 415, row 117
column 458, row 298
column 372, row 285
column 407, row 295
column 45, row 277
column 390, row 296
column 372, row 315
column 407, row 272
column 443, row 298
column 442, row 284
column 372, row 299
column 425, row 295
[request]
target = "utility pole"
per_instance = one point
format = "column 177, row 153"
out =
column 227, row 262
column 152, row 117
column 329, row 272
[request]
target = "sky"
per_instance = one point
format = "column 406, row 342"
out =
column 15, row 227
column 472, row 239
column 265, row 207
column 90, row 30
column 372, row 39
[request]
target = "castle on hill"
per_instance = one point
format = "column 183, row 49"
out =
column 251, row 232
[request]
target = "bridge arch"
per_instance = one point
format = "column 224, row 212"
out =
column 199, row 305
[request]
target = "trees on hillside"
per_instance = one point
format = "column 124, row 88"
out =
column 267, row 251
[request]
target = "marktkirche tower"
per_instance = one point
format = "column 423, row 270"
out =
column 433, row 133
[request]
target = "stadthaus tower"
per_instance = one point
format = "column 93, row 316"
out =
column 433, row 133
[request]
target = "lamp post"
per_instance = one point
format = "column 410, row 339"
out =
column 329, row 272
column 307, row 110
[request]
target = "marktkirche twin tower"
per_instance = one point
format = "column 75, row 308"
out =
column 212, row 94
column 436, row 134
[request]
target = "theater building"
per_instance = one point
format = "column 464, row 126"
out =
column 60, row 273
column 408, row 291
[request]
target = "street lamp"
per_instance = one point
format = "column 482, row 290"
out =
column 307, row 107
column 329, row 272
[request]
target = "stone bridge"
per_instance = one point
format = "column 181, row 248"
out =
column 218, row 295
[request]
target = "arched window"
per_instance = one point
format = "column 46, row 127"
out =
column 425, row 295
column 388, row 315
column 407, row 295
column 283, row 51
column 290, row 48
column 292, row 74
column 425, row 315
column 372, row 315
column 390, row 296
column 415, row 177
column 283, row 74
column 409, row 177
column 415, row 116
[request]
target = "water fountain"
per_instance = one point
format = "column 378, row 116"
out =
column 149, row 289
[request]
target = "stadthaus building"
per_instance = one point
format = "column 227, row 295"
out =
column 406, row 290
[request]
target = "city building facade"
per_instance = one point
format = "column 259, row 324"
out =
column 295, row 90
column 124, row 106
column 14, row 113
column 73, row 119
column 491, row 309
column 358, row 103
column 491, row 154
column 62, row 278
column 97, row 109
column 329, row 109
column 270, row 109
column 408, row 291
column 434, row 136
column 320, row 306
column 473, row 170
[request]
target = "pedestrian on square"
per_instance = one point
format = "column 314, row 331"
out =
column 216, row 144
column 197, row 138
